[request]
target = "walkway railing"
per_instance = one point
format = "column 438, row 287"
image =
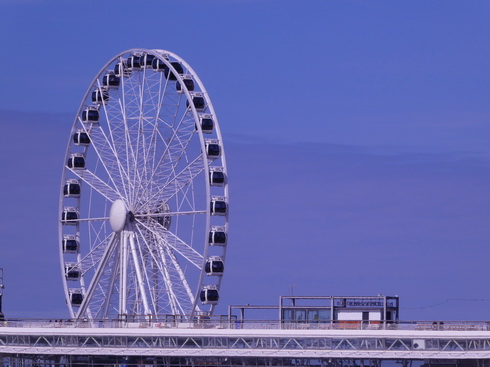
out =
column 221, row 323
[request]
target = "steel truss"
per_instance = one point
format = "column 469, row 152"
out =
column 338, row 344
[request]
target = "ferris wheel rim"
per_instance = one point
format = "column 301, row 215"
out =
column 160, row 54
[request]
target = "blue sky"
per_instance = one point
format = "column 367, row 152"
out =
column 357, row 137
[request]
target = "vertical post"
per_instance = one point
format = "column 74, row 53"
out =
column 281, row 320
column 139, row 276
column 384, row 311
column 2, row 317
column 123, row 279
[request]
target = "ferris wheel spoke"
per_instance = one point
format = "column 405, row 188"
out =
column 171, row 240
column 147, row 106
column 124, row 106
column 179, row 295
column 97, row 184
column 161, row 96
column 172, row 296
column 180, row 128
column 150, row 244
column 133, row 107
column 179, row 142
column 121, row 135
column 96, row 278
column 88, row 220
column 92, row 258
column 152, row 282
column 181, row 180
column 141, row 164
column 174, row 150
column 97, row 234
column 136, row 140
column 152, row 151
column 110, row 144
column 170, row 107
column 170, row 214
column 153, row 244
column 108, row 158
column 180, row 286
column 190, row 254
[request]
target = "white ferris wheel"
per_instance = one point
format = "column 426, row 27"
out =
column 144, row 195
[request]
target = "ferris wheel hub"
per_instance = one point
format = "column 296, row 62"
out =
column 130, row 216
column 117, row 215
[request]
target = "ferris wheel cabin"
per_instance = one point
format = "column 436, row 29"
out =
column 158, row 65
column 121, row 70
column 133, row 62
column 170, row 74
column 198, row 102
column 207, row 124
column 209, row 295
column 111, row 80
column 100, row 95
column 76, row 297
column 71, row 188
column 213, row 149
column 216, row 176
column 76, row 161
column 189, row 84
column 146, row 60
column 70, row 244
column 81, row 138
column 90, row 114
column 217, row 237
column 219, row 207
column 70, row 216
column 214, row 266
column 72, row 271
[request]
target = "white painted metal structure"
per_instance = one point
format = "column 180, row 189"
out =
column 192, row 340
column 144, row 193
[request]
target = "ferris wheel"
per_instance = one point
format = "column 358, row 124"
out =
column 144, row 194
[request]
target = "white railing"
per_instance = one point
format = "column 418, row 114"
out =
column 251, row 324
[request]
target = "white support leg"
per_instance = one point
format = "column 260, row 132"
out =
column 141, row 284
